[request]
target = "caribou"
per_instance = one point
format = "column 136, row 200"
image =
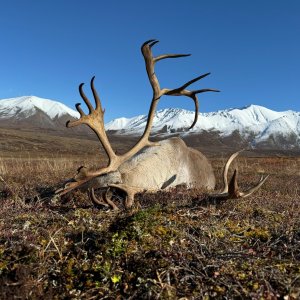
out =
column 149, row 166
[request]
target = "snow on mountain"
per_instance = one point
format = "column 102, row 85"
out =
column 253, row 119
column 252, row 122
column 282, row 125
column 26, row 106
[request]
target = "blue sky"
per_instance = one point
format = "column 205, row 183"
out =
column 252, row 49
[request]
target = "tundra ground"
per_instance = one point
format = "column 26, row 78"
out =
column 171, row 245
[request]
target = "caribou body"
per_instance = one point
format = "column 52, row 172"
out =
column 161, row 167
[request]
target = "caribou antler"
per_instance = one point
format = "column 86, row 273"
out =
column 95, row 118
column 231, row 190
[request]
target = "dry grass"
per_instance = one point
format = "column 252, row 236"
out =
column 175, row 246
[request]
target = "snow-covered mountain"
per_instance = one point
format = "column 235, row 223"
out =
column 31, row 111
column 27, row 106
column 255, row 123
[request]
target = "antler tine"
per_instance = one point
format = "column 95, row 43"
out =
column 231, row 191
column 181, row 91
column 164, row 56
column 77, row 105
column 85, row 98
column 193, row 96
column 83, row 116
column 233, row 188
column 153, row 43
column 107, row 202
column 205, row 90
column 96, row 96
column 255, row 188
column 95, row 200
column 196, row 101
column 183, row 87
column 148, row 42
column 226, row 168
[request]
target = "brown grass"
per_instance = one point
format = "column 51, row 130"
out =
column 175, row 245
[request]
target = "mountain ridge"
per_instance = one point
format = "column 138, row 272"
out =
column 255, row 123
column 12, row 106
column 34, row 112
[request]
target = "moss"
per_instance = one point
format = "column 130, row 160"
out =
column 259, row 233
column 118, row 244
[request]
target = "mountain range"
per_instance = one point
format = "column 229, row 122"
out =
column 255, row 125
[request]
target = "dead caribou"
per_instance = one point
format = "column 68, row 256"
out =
column 149, row 166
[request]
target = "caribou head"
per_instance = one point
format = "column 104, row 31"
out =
column 149, row 166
